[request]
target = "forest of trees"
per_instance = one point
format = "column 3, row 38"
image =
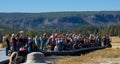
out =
column 113, row 30
column 61, row 22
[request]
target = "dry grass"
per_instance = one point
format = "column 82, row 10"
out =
column 106, row 53
column 92, row 58
column 2, row 45
column 115, row 39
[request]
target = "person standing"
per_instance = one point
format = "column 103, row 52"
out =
column 14, row 42
column 43, row 41
column 30, row 45
column 7, row 43
column 98, row 40
column 108, row 40
column 37, row 42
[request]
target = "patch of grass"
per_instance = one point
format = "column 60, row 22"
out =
column 73, row 60
column 115, row 39
column 2, row 45
column 106, row 53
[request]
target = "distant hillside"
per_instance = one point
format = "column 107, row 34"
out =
column 62, row 20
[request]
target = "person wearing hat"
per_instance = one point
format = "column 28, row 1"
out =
column 7, row 43
column 21, row 32
column 36, row 58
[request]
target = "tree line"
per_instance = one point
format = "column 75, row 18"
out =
column 113, row 30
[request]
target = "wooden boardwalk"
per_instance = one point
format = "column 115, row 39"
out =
column 5, row 59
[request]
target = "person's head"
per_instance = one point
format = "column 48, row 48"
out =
column 21, row 32
column 12, row 57
column 53, row 33
column 13, row 35
column 107, row 35
column 45, row 34
column 56, row 34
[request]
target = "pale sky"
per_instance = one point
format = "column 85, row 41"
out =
column 58, row 5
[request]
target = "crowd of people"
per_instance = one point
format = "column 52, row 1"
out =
column 54, row 42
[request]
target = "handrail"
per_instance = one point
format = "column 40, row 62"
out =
column 73, row 52
column 70, row 52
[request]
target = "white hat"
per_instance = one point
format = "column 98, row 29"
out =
column 13, row 34
column 21, row 32
column 36, row 58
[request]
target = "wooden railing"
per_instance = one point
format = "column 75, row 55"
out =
column 74, row 52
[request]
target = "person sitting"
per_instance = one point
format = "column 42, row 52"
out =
column 56, row 48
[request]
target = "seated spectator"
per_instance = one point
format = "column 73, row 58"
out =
column 56, row 49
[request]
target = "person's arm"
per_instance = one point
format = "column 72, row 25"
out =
column 48, row 41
